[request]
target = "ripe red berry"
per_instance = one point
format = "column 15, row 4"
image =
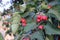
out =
column 23, row 20
column 41, row 27
column 24, row 24
column 39, row 18
column 49, row 6
column 45, row 18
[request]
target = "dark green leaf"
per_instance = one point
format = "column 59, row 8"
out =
column 50, row 30
column 38, row 35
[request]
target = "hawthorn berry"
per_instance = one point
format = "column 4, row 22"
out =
column 23, row 20
column 45, row 18
column 49, row 6
column 41, row 27
column 39, row 18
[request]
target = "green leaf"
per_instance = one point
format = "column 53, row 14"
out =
column 15, row 22
column 25, row 14
column 22, row 7
column 55, row 12
column 14, row 28
column 38, row 35
column 26, row 1
column 50, row 30
column 29, row 26
column 49, row 37
column 44, row 6
column 1, row 37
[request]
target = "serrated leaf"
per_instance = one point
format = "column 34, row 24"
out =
column 44, row 6
column 29, row 27
column 15, row 22
column 38, row 35
column 55, row 12
column 50, row 30
column 31, row 8
column 14, row 28
column 25, row 14
column 22, row 7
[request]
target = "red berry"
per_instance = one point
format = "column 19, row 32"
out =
column 23, row 20
column 39, row 18
column 24, row 24
column 49, row 6
column 45, row 18
column 41, row 27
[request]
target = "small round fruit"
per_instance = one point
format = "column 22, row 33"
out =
column 41, row 27
column 23, row 20
column 49, row 6
column 38, row 16
column 45, row 18
column 38, row 20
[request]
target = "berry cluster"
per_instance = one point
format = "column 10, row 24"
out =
column 23, row 21
column 41, row 18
